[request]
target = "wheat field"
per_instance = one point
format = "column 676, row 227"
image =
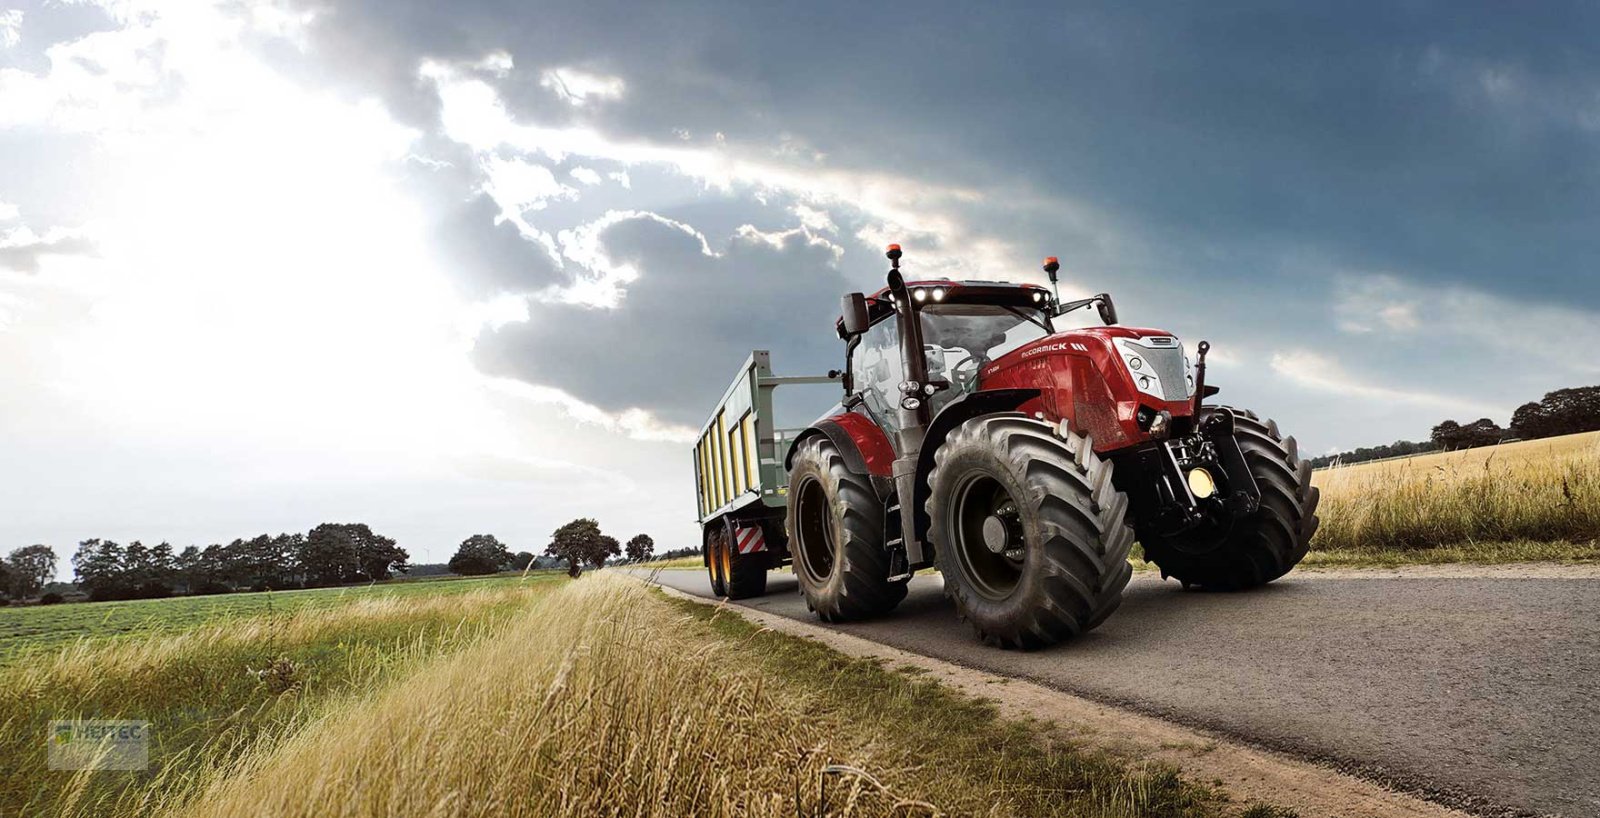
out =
column 1537, row 491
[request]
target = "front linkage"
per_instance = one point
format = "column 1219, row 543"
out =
column 1194, row 481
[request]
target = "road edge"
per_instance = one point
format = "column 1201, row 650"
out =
column 1247, row 773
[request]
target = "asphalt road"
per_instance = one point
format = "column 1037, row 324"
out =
column 1480, row 693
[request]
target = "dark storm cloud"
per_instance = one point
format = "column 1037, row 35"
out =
column 685, row 325
column 1242, row 164
column 1450, row 141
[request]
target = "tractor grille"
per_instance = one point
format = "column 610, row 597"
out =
column 1165, row 362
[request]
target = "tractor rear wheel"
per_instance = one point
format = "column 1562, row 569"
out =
column 746, row 573
column 835, row 528
column 1029, row 530
column 1257, row 549
column 716, row 547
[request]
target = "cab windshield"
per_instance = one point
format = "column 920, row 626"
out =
column 961, row 338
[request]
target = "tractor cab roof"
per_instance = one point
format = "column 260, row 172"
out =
column 935, row 291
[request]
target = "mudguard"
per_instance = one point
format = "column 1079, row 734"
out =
column 862, row 444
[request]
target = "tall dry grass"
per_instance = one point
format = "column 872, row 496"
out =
column 1540, row 491
column 609, row 701
column 217, row 692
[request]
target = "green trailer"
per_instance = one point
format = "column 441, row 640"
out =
column 741, row 484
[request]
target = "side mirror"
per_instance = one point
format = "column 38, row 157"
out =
column 854, row 308
column 1108, row 310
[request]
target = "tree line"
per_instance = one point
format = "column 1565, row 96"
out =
column 1562, row 412
column 330, row 554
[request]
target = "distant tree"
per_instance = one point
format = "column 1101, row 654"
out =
column 30, row 568
column 5, row 580
column 523, row 561
column 607, row 548
column 1562, row 412
column 1481, row 432
column 100, row 570
column 377, row 556
column 576, row 543
column 480, row 554
column 640, row 546
column 1531, row 422
column 185, row 568
column 1447, row 435
column 329, row 555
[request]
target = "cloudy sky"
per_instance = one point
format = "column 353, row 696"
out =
column 483, row 266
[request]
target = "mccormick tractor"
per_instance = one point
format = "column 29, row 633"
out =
column 1020, row 460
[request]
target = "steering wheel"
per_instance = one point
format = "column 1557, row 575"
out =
column 964, row 380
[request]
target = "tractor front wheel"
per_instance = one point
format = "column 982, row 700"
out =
column 1029, row 530
column 835, row 528
column 1261, row 547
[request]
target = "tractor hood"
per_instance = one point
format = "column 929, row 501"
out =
column 1108, row 381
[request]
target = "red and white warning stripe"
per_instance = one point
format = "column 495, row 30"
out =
column 749, row 540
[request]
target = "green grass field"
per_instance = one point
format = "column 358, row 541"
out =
column 41, row 627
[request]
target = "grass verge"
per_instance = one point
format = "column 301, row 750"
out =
column 610, row 700
column 221, row 691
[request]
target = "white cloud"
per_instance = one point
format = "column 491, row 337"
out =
column 583, row 175
column 10, row 28
column 9, row 211
column 779, row 238
column 621, row 178
column 579, row 88
column 636, row 423
column 1389, row 305
column 498, row 63
column 603, row 281
column 1322, row 373
column 816, row 220
column 519, row 186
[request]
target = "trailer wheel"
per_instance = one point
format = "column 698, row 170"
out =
column 746, row 573
column 1259, row 548
column 716, row 548
column 835, row 527
column 1029, row 530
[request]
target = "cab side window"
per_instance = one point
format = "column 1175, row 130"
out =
column 876, row 373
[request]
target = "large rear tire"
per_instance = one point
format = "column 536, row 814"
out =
column 835, row 531
column 716, row 548
column 747, row 573
column 1029, row 530
column 1257, row 549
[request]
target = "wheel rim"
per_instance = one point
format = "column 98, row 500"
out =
column 987, row 528
column 815, row 532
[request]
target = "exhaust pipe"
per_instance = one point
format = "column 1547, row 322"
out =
column 914, row 413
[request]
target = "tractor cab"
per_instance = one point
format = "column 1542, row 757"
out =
column 965, row 326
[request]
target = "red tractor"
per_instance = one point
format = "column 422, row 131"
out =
column 1021, row 460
